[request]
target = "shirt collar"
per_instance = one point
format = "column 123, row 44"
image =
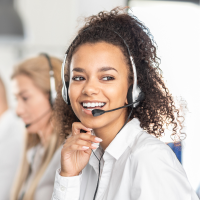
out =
column 124, row 138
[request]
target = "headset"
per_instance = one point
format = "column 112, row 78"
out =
column 134, row 95
column 52, row 93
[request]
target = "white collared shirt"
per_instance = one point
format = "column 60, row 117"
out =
column 135, row 166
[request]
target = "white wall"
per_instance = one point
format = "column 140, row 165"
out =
column 91, row 7
column 50, row 26
column 176, row 30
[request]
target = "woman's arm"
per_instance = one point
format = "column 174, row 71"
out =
column 66, row 187
column 75, row 155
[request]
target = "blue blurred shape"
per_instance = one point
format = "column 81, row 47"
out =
column 177, row 149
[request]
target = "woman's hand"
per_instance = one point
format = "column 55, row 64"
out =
column 77, row 150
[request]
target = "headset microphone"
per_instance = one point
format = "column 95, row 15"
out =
column 97, row 112
column 27, row 125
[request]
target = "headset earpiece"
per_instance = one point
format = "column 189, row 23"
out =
column 129, row 94
column 138, row 96
column 65, row 95
column 67, row 88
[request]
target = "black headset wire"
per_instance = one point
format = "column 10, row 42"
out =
column 103, row 154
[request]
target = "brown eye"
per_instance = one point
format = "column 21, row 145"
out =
column 24, row 98
column 108, row 78
column 78, row 78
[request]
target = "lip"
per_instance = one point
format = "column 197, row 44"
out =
column 90, row 101
column 25, row 121
column 89, row 112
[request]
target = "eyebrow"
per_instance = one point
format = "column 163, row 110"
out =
column 78, row 69
column 22, row 92
column 102, row 69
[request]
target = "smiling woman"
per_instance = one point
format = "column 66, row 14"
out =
column 117, row 155
column 100, row 81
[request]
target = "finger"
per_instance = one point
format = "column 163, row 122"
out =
column 76, row 147
column 87, row 144
column 77, row 127
column 89, row 137
column 89, row 132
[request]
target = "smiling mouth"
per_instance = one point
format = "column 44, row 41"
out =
column 93, row 105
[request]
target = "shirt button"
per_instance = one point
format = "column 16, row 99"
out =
column 62, row 188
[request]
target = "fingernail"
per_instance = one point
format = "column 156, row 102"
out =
column 89, row 129
column 98, row 139
column 95, row 145
column 84, row 147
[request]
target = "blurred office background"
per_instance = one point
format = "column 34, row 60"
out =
column 30, row 27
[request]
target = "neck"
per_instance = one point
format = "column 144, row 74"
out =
column 45, row 134
column 108, row 132
column 3, row 108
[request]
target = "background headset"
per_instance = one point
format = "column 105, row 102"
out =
column 52, row 92
column 134, row 94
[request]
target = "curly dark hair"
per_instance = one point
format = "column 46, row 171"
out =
column 158, row 110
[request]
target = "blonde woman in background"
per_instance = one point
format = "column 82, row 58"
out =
column 34, row 83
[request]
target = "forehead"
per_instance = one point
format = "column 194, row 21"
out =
column 98, row 55
column 22, row 83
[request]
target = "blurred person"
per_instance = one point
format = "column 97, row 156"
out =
column 198, row 191
column 112, row 65
column 35, row 81
column 11, row 130
column 3, row 98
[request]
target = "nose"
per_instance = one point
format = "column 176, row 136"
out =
column 19, row 108
column 91, row 88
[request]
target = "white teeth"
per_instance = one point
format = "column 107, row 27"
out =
column 93, row 104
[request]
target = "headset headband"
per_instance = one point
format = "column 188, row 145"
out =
column 53, row 92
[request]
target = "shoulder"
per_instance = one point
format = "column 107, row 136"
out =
column 147, row 148
column 150, row 151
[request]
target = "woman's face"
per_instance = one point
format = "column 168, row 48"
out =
column 98, row 80
column 32, row 104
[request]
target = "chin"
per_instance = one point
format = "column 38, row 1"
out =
column 95, row 122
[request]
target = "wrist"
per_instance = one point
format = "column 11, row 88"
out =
column 64, row 174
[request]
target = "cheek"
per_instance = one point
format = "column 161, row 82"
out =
column 117, row 95
column 39, row 105
column 74, row 92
